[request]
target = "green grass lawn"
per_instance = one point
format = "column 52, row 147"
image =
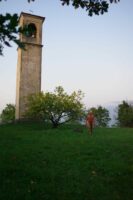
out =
column 65, row 164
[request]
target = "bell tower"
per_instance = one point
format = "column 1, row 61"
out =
column 29, row 61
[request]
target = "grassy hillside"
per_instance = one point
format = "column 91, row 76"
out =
column 65, row 164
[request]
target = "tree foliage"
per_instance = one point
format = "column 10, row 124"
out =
column 125, row 114
column 9, row 31
column 57, row 107
column 8, row 114
column 101, row 116
column 91, row 6
column 9, row 28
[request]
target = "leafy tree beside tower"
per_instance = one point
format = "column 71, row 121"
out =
column 56, row 107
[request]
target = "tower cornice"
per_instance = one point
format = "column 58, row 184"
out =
column 31, row 15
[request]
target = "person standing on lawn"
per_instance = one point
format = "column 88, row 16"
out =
column 90, row 121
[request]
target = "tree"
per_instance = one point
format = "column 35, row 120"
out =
column 101, row 116
column 57, row 107
column 8, row 114
column 9, row 31
column 9, row 28
column 91, row 6
column 125, row 114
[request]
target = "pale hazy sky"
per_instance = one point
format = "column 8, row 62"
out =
column 94, row 54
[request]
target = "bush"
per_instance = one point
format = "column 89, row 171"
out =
column 8, row 114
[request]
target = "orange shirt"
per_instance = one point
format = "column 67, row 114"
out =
column 90, row 118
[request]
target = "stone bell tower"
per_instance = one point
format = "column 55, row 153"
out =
column 29, row 61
